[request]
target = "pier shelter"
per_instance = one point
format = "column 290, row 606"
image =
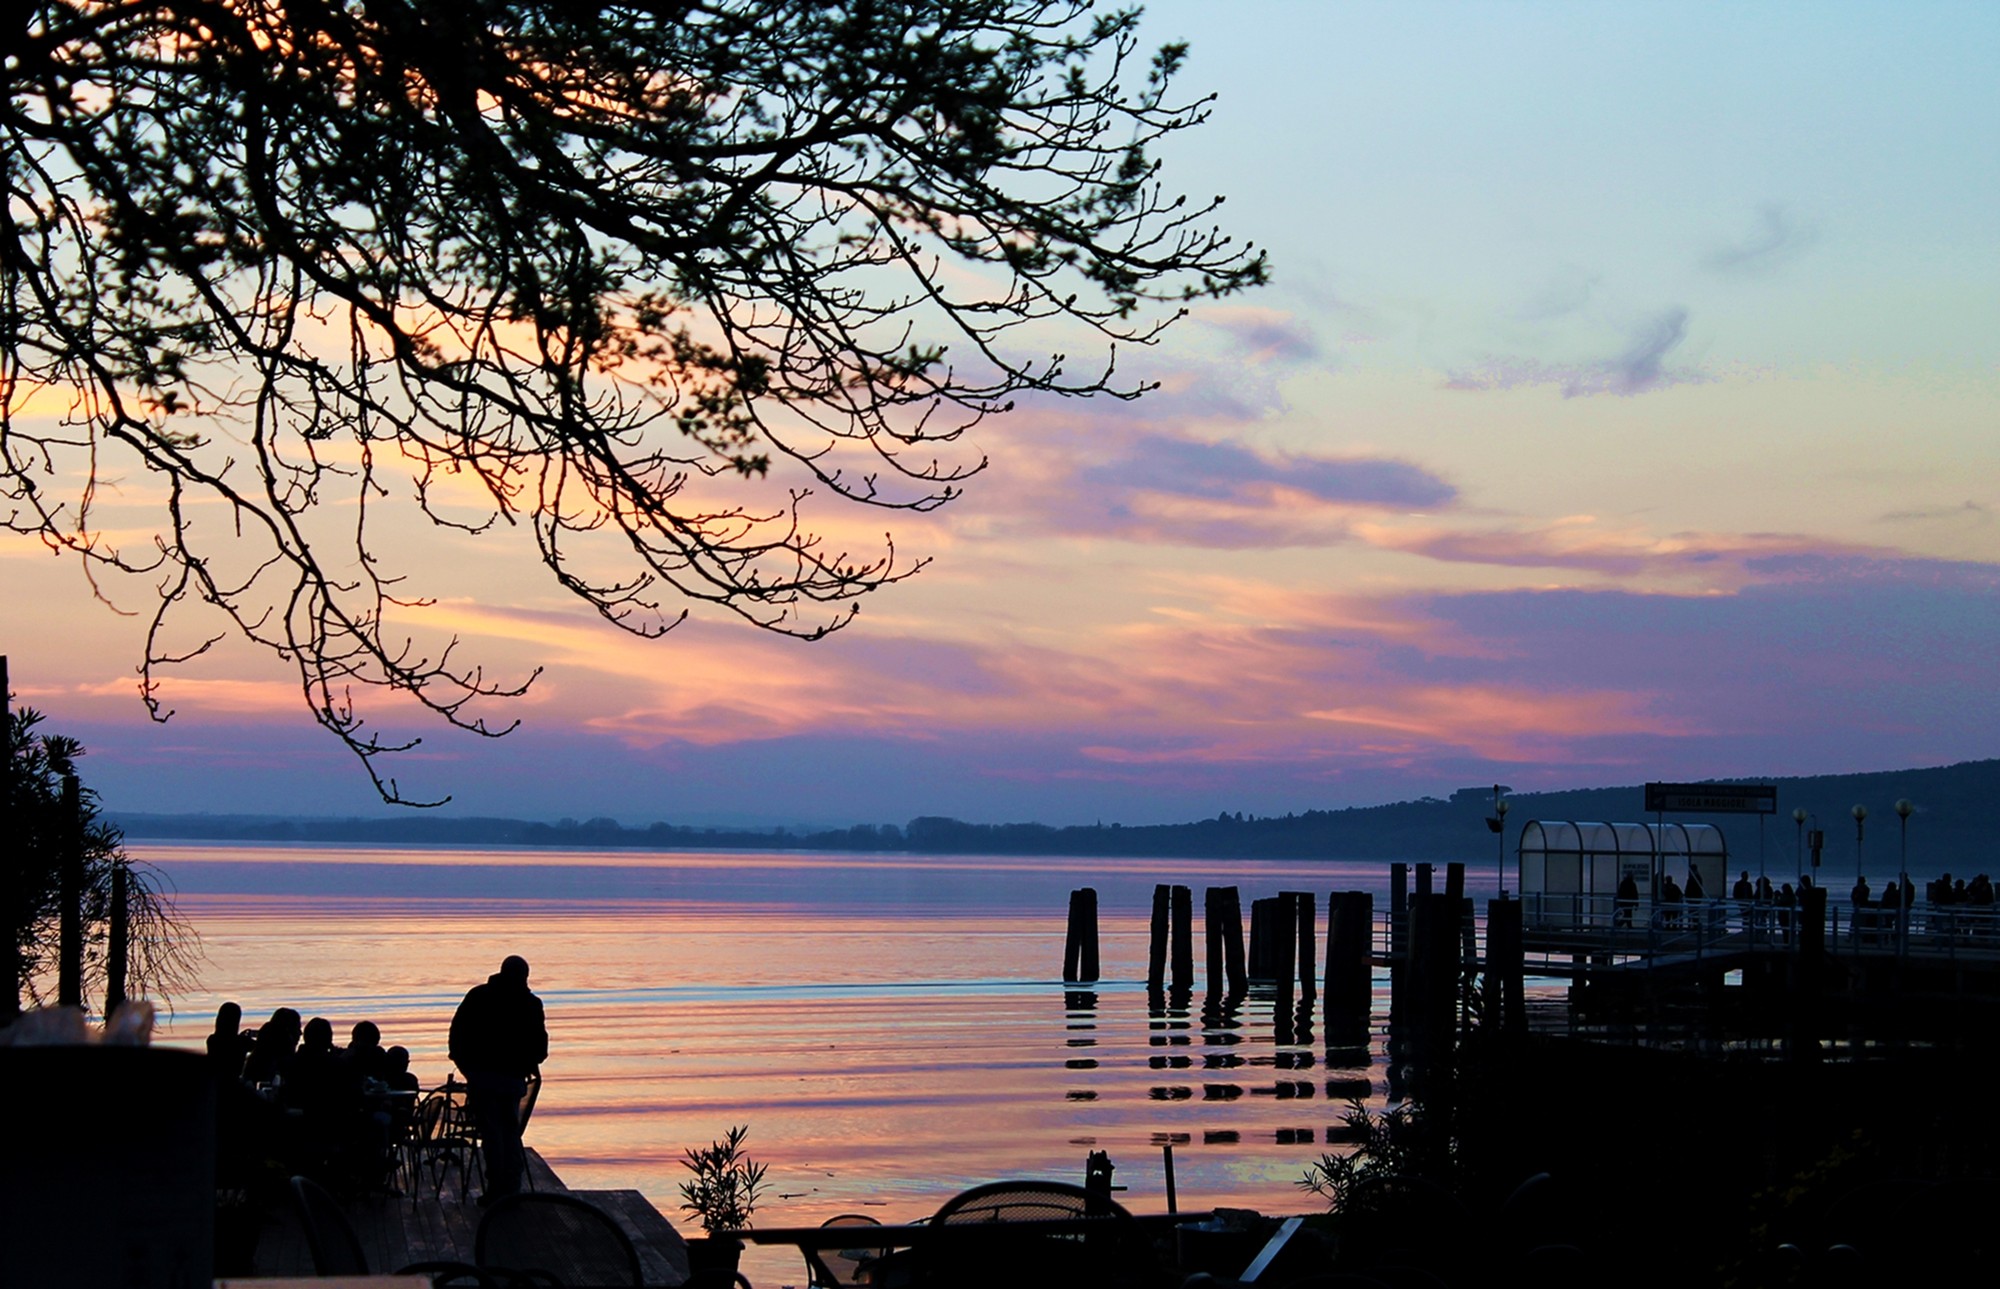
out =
column 1568, row 870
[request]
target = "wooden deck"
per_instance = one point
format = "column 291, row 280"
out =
column 396, row 1231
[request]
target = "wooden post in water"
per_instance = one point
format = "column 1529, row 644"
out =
column 1810, row 977
column 1284, row 923
column 1399, row 911
column 1183, row 938
column 1454, row 890
column 1349, row 997
column 115, row 952
column 1425, row 875
column 1080, row 950
column 1285, row 942
column 1433, row 985
column 69, row 936
column 1156, row 944
column 1222, row 911
column 1307, row 921
column 1505, row 1005
column 1262, row 914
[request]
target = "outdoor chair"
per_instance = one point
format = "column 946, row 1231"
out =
column 988, row 1254
column 529, row 1095
column 439, row 1140
column 336, row 1249
column 557, row 1240
column 842, row 1268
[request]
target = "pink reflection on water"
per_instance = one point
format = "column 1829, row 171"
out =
column 885, row 1055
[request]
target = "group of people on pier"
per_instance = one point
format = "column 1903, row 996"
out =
column 290, row 1099
column 1953, row 908
column 1751, row 905
column 289, row 1095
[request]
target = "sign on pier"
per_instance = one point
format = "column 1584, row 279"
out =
column 1712, row 798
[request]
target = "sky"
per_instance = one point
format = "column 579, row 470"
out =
column 1623, row 407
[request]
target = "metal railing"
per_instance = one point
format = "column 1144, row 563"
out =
column 1697, row 927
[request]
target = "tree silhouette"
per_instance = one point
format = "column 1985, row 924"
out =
column 639, row 277
column 42, row 825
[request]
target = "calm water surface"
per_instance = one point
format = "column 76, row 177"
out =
column 893, row 1029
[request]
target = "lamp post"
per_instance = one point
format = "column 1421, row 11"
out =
column 1498, row 823
column 1860, row 814
column 1903, row 811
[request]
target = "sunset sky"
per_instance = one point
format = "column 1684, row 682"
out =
column 1624, row 406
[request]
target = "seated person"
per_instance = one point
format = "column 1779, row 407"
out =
column 271, row 1052
column 228, row 1045
column 364, row 1054
column 397, row 1073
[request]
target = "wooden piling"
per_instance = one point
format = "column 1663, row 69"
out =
column 1222, row 912
column 1284, row 946
column 1156, row 943
column 1262, row 914
column 1237, row 974
column 1425, row 874
column 1080, row 950
column 1306, row 920
column 1349, row 995
column 1454, row 890
column 1399, row 911
column 1809, row 978
column 1431, row 1010
column 1183, row 939
column 1505, row 1005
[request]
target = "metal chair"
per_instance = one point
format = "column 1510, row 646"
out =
column 842, row 1268
column 1114, row 1254
column 530, row 1093
column 438, row 1140
column 555, row 1239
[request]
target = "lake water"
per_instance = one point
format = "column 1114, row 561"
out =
column 893, row 1029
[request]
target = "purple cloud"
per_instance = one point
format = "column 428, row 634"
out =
column 1640, row 368
column 1264, row 334
column 1232, row 472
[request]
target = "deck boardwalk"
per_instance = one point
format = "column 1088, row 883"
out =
column 397, row 1230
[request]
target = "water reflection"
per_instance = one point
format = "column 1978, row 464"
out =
column 893, row 1032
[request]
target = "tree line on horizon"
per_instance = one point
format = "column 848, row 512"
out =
column 1948, row 830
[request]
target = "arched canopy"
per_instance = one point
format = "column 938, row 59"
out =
column 1581, row 857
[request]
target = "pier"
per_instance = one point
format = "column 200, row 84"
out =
column 1711, row 972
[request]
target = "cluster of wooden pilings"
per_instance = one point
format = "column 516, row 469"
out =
column 1429, row 944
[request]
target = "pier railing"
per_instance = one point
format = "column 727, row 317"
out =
column 1606, row 925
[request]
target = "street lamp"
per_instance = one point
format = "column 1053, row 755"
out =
column 1903, row 811
column 1860, row 814
column 1497, row 821
column 1799, row 846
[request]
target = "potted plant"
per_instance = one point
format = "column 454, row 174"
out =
column 721, row 1196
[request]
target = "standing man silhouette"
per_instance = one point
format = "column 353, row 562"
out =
column 498, row 1038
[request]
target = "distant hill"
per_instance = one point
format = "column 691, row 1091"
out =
column 1952, row 829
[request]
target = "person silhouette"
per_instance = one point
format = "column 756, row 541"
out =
column 499, row 1036
column 228, row 1045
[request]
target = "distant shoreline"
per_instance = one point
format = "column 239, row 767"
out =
column 1950, row 831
